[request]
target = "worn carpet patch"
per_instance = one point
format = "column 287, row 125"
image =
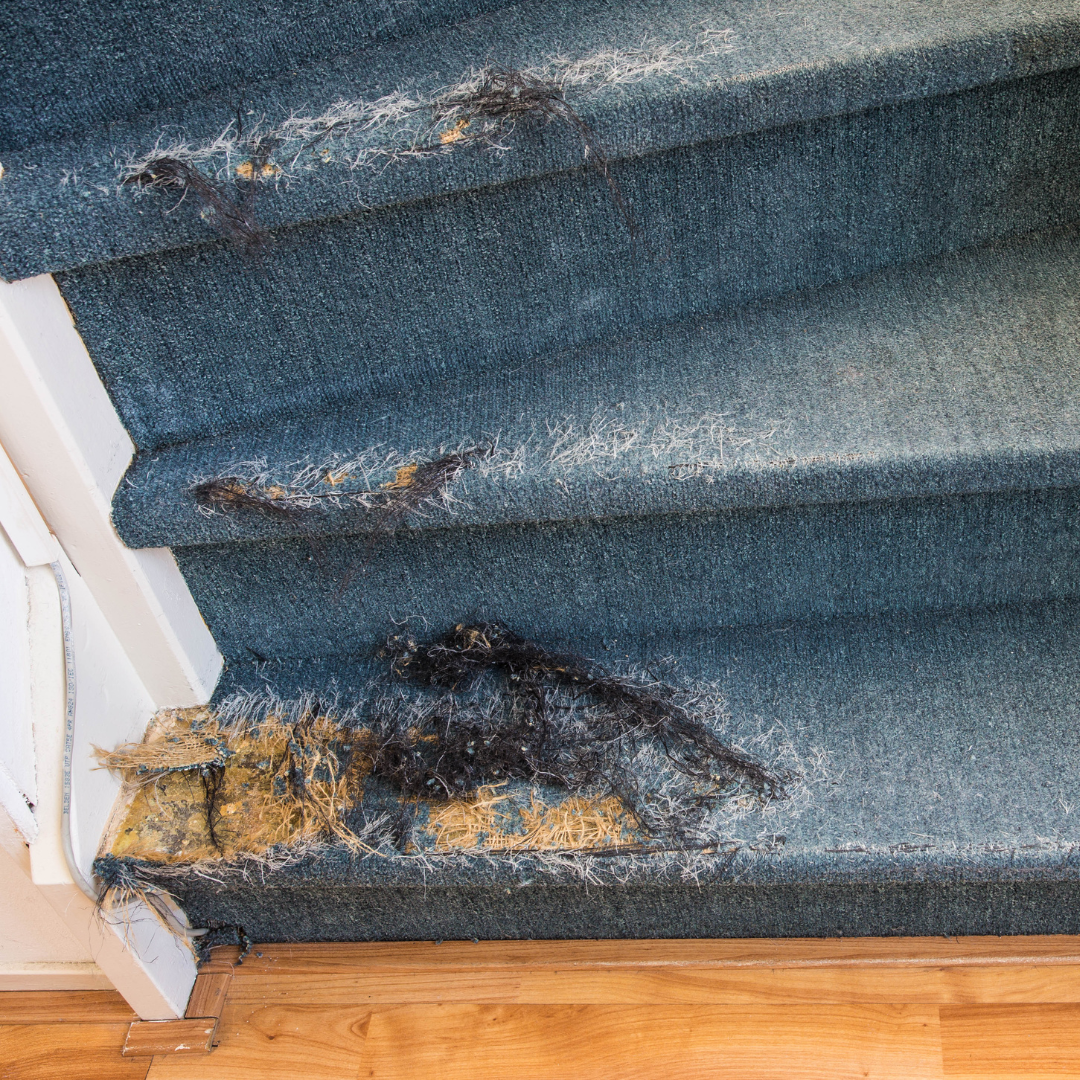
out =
column 477, row 745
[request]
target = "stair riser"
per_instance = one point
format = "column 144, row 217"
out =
column 431, row 913
column 632, row 580
column 360, row 306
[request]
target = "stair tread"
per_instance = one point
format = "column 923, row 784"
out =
column 938, row 752
column 50, row 56
column 739, row 69
column 953, row 377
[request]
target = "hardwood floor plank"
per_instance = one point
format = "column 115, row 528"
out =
column 1021, row 1042
column 64, row 1006
column 148, row 1038
column 276, row 1042
column 208, row 994
column 61, row 1051
column 1013, row 984
column 798, row 1010
column 655, row 985
column 598, row 1042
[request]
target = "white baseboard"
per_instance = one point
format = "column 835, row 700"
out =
column 99, row 700
column 45, row 976
column 151, row 967
column 67, row 443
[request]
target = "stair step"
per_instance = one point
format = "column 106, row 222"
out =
column 639, row 578
column 69, row 66
column 940, row 772
column 686, row 74
column 786, row 163
column 756, row 339
column 950, row 378
column 905, row 442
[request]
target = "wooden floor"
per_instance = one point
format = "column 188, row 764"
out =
column 905, row 1008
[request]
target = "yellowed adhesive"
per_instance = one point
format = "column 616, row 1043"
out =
column 257, row 805
column 403, row 478
column 253, row 809
column 166, row 821
column 455, row 133
column 246, row 170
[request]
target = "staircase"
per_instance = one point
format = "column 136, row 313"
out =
column 754, row 344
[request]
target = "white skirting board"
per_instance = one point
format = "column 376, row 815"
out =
column 150, row 966
column 47, row 976
column 63, row 435
column 85, row 690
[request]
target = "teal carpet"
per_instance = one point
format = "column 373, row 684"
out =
column 756, row 334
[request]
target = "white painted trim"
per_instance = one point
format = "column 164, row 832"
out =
column 48, row 699
column 18, row 768
column 132, row 622
column 49, row 976
column 152, row 967
column 67, row 444
column 21, row 520
column 14, row 802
